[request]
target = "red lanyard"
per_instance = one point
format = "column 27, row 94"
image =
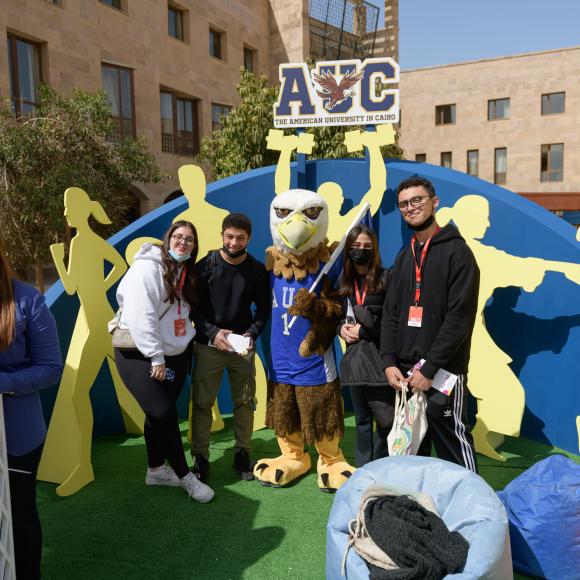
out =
column 360, row 301
column 419, row 268
column 180, row 288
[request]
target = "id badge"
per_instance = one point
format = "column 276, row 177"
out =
column 415, row 316
column 179, row 326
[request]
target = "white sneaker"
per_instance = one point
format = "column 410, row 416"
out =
column 196, row 489
column 162, row 476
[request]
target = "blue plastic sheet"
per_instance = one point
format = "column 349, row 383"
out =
column 543, row 507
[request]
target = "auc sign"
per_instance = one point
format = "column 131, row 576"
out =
column 342, row 92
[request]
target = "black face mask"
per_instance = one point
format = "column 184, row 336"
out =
column 423, row 226
column 234, row 255
column 360, row 256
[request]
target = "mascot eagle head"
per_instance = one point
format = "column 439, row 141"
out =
column 298, row 221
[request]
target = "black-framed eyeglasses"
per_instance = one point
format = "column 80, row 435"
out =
column 413, row 202
column 189, row 240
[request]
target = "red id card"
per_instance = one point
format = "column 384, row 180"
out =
column 179, row 326
column 415, row 316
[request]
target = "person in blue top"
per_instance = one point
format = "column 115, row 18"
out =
column 30, row 360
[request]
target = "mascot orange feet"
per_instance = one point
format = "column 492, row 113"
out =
column 293, row 463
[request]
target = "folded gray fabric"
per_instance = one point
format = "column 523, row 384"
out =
column 402, row 537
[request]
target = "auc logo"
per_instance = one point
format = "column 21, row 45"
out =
column 342, row 92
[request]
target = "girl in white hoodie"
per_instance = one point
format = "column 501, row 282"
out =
column 156, row 296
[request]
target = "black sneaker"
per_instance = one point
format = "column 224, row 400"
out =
column 243, row 465
column 201, row 468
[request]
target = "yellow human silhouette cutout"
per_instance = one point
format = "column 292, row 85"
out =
column 66, row 458
column 330, row 191
column 208, row 219
column 499, row 393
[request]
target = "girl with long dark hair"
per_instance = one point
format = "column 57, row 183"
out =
column 30, row 360
column 156, row 297
column 363, row 287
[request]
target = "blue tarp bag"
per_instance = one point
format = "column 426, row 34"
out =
column 543, row 507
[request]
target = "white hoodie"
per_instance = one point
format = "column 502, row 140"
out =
column 141, row 296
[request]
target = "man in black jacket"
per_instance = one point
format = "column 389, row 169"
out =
column 229, row 281
column 429, row 314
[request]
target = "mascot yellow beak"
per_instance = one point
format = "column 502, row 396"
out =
column 296, row 231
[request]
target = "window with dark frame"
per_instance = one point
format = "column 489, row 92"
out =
column 552, row 162
column 500, row 165
column 24, row 73
column 420, row 157
column 112, row 3
column 473, row 162
column 118, row 84
column 446, row 159
column 217, row 112
column 498, row 109
column 553, row 103
column 249, row 59
column 175, row 22
column 179, row 124
column 215, row 43
column 445, row 115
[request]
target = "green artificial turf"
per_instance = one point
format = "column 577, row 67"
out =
column 117, row 527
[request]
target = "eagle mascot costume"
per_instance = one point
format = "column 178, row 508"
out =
column 304, row 399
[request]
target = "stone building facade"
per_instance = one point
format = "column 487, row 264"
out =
column 511, row 120
column 170, row 67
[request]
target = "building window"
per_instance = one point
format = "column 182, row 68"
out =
column 420, row 157
column 217, row 111
column 175, row 22
column 118, row 84
column 24, row 71
column 500, row 166
column 473, row 162
column 215, row 43
column 552, row 164
column 445, row 115
column 179, row 125
column 553, row 103
column 446, row 159
column 249, row 59
column 112, row 3
column 498, row 109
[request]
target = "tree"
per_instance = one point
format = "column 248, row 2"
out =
column 240, row 144
column 63, row 143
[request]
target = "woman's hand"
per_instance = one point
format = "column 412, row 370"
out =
column 158, row 372
column 350, row 332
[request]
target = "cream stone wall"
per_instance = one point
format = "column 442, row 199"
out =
column 523, row 78
column 77, row 36
column 289, row 33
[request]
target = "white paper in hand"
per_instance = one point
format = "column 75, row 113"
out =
column 443, row 381
column 241, row 344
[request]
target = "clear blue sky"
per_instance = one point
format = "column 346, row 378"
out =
column 434, row 32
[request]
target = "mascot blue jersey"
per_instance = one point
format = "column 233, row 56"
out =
column 287, row 366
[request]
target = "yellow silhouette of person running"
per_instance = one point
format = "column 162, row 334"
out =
column 499, row 393
column 66, row 458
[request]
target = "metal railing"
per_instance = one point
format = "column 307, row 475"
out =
column 342, row 29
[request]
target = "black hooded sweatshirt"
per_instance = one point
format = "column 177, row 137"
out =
column 449, row 299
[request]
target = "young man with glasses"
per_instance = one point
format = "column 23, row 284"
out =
column 229, row 281
column 429, row 314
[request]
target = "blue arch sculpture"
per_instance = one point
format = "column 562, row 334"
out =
column 539, row 330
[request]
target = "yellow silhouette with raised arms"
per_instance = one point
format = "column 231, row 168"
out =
column 66, row 458
column 208, row 219
column 330, row 191
column 499, row 393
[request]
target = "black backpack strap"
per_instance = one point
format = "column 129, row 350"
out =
column 211, row 265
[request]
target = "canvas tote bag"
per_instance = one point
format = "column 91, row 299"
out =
column 410, row 423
